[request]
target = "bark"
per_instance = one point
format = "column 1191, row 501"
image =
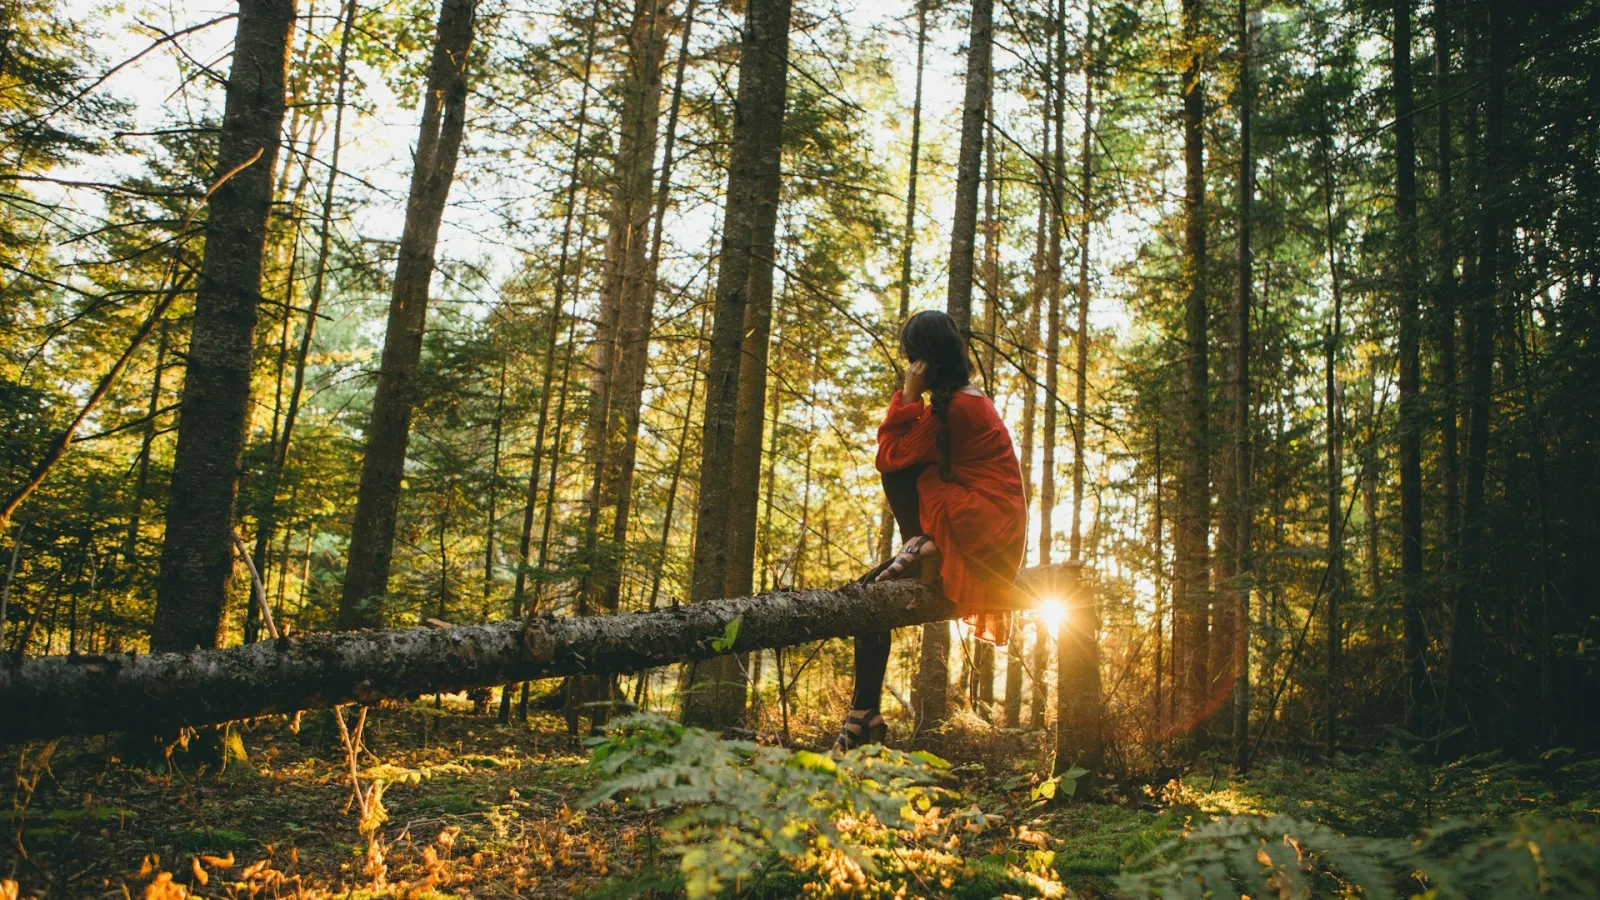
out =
column 196, row 555
column 553, row 330
column 749, row 220
column 908, row 242
column 1465, row 626
column 677, row 466
column 1334, row 447
column 319, row 280
column 438, row 145
column 1050, row 298
column 1080, row 373
column 141, row 481
column 1192, row 592
column 991, row 263
column 52, row 696
column 1052, row 342
column 494, row 478
column 1239, row 527
column 1014, row 666
column 634, row 341
column 963, row 230
column 1410, row 372
column 1158, row 571
column 622, row 334
column 1038, row 671
column 11, row 575
column 1078, row 736
column 1445, row 288
column 933, row 667
column 1078, row 700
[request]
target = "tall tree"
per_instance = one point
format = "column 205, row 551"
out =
column 1238, row 527
column 1405, row 186
column 716, row 694
column 197, row 551
column 933, row 667
column 621, row 336
column 438, row 145
column 1480, row 333
column 1078, row 712
column 552, row 330
column 267, row 516
column 634, row 340
column 1444, row 299
column 1333, row 448
column 1192, row 592
column 909, row 237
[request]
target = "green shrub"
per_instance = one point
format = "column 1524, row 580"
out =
column 738, row 813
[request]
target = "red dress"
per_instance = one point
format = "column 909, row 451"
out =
column 978, row 521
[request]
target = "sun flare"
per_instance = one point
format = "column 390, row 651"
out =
column 1052, row 612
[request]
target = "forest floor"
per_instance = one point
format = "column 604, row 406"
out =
column 472, row 808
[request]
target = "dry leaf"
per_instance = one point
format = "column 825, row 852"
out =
column 219, row 862
column 199, row 872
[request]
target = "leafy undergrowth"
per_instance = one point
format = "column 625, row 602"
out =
column 455, row 805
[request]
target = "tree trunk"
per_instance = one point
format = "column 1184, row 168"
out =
column 1078, row 701
column 908, row 241
column 197, row 551
column 141, row 482
column 438, row 145
column 318, row 282
column 1480, row 328
column 1239, row 526
column 1192, row 592
column 1157, row 573
column 634, row 340
column 622, row 334
column 964, row 228
column 48, row 697
column 1335, row 461
column 749, row 222
column 553, row 330
column 1410, row 373
column 494, row 479
column 1445, row 288
column 933, row 668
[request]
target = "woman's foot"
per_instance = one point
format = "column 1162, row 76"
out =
column 910, row 555
column 861, row 727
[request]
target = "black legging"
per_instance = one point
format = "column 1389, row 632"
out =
column 872, row 648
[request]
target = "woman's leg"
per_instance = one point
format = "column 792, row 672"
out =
column 872, row 664
column 900, row 488
column 872, row 648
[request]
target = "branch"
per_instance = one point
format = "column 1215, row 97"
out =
column 50, row 696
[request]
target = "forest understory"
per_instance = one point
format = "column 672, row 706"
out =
column 456, row 804
column 363, row 351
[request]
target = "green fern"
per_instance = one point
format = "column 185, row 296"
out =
column 736, row 808
column 1275, row 856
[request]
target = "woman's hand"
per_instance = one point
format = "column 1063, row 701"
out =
column 916, row 382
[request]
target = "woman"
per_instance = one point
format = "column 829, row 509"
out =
column 953, row 483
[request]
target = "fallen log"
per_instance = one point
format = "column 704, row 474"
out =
column 57, row 695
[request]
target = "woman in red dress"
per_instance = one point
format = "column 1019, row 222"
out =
column 952, row 480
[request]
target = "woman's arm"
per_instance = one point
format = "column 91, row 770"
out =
column 908, row 436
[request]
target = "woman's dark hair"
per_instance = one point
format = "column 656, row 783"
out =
column 932, row 337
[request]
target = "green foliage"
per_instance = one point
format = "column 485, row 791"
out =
column 730, row 633
column 737, row 808
column 1292, row 858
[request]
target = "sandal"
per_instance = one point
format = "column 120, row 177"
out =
column 914, row 551
column 861, row 727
